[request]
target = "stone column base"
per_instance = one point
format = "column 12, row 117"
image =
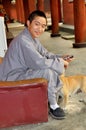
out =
column 79, row 45
column 55, row 35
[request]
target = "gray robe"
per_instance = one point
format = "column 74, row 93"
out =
column 26, row 58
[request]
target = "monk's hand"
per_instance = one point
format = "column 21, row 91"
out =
column 66, row 63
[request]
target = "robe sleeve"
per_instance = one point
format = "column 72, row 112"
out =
column 46, row 53
column 34, row 60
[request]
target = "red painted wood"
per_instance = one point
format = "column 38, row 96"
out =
column 23, row 103
column 40, row 5
column 54, row 16
column 80, row 21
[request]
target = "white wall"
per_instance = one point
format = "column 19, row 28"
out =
column 3, row 41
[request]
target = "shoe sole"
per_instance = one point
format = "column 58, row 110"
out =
column 58, row 118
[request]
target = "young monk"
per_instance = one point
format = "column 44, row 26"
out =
column 26, row 58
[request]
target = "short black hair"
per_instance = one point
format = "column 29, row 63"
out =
column 37, row 13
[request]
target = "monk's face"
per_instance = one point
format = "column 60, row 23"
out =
column 37, row 26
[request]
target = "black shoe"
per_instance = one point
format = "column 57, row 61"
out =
column 58, row 113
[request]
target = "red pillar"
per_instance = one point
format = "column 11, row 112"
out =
column 59, row 11
column 20, row 10
column 40, row 5
column 31, row 6
column 54, row 17
column 79, row 23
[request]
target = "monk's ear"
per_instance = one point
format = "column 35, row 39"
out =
column 28, row 23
